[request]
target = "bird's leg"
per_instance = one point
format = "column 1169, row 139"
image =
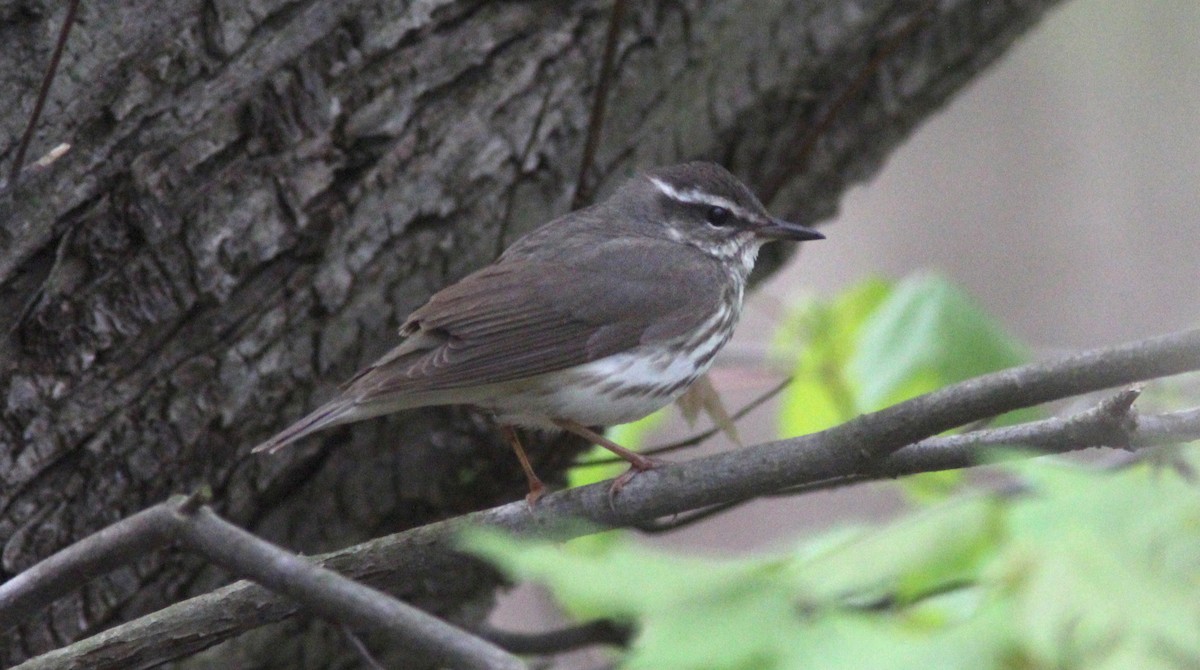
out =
column 536, row 487
column 637, row 462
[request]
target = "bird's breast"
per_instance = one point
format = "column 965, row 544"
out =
column 623, row 387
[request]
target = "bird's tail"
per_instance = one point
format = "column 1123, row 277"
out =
column 331, row 413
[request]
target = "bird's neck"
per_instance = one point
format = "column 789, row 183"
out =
column 738, row 255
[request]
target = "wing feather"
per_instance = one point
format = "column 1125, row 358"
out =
column 523, row 317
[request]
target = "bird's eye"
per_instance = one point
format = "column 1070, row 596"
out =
column 717, row 216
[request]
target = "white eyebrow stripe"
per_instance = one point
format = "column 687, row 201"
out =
column 701, row 198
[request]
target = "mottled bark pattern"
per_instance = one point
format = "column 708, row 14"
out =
column 258, row 192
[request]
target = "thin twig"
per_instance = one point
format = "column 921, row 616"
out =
column 698, row 438
column 360, row 647
column 583, row 193
column 841, row 451
column 675, row 522
column 601, row 631
column 808, row 142
column 44, row 91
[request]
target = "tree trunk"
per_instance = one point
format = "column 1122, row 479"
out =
column 256, row 194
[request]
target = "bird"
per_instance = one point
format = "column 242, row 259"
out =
column 597, row 318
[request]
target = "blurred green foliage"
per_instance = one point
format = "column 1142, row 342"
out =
column 1083, row 569
column 883, row 342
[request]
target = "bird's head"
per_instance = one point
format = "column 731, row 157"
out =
column 703, row 205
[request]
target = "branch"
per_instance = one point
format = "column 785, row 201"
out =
column 107, row 549
column 583, row 191
column 1112, row 423
column 846, row 450
column 325, row 593
column 43, row 92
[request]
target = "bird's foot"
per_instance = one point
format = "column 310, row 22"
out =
column 636, row 467
column 536, row 490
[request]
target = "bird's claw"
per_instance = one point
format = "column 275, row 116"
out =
column 536, row 491
column 634, row 470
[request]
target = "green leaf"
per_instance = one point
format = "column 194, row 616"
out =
column 820, row 338
column 687, row 609
column 878, row 344
column 1083, row 570
column 633, row 435
column 930, row 487
column 922, row 553
column 928, row 333
column 1104, row 568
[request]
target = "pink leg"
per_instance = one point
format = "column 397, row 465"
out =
column 536, row 487
column 637, row 462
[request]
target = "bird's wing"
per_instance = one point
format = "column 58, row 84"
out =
column 523, row 317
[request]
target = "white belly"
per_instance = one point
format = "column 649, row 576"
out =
column 607, row 392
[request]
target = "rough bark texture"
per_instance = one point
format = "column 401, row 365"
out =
column 258, row 192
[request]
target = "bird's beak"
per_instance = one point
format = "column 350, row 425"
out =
column 778, row 229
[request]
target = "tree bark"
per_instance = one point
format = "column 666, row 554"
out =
column 257, row 194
